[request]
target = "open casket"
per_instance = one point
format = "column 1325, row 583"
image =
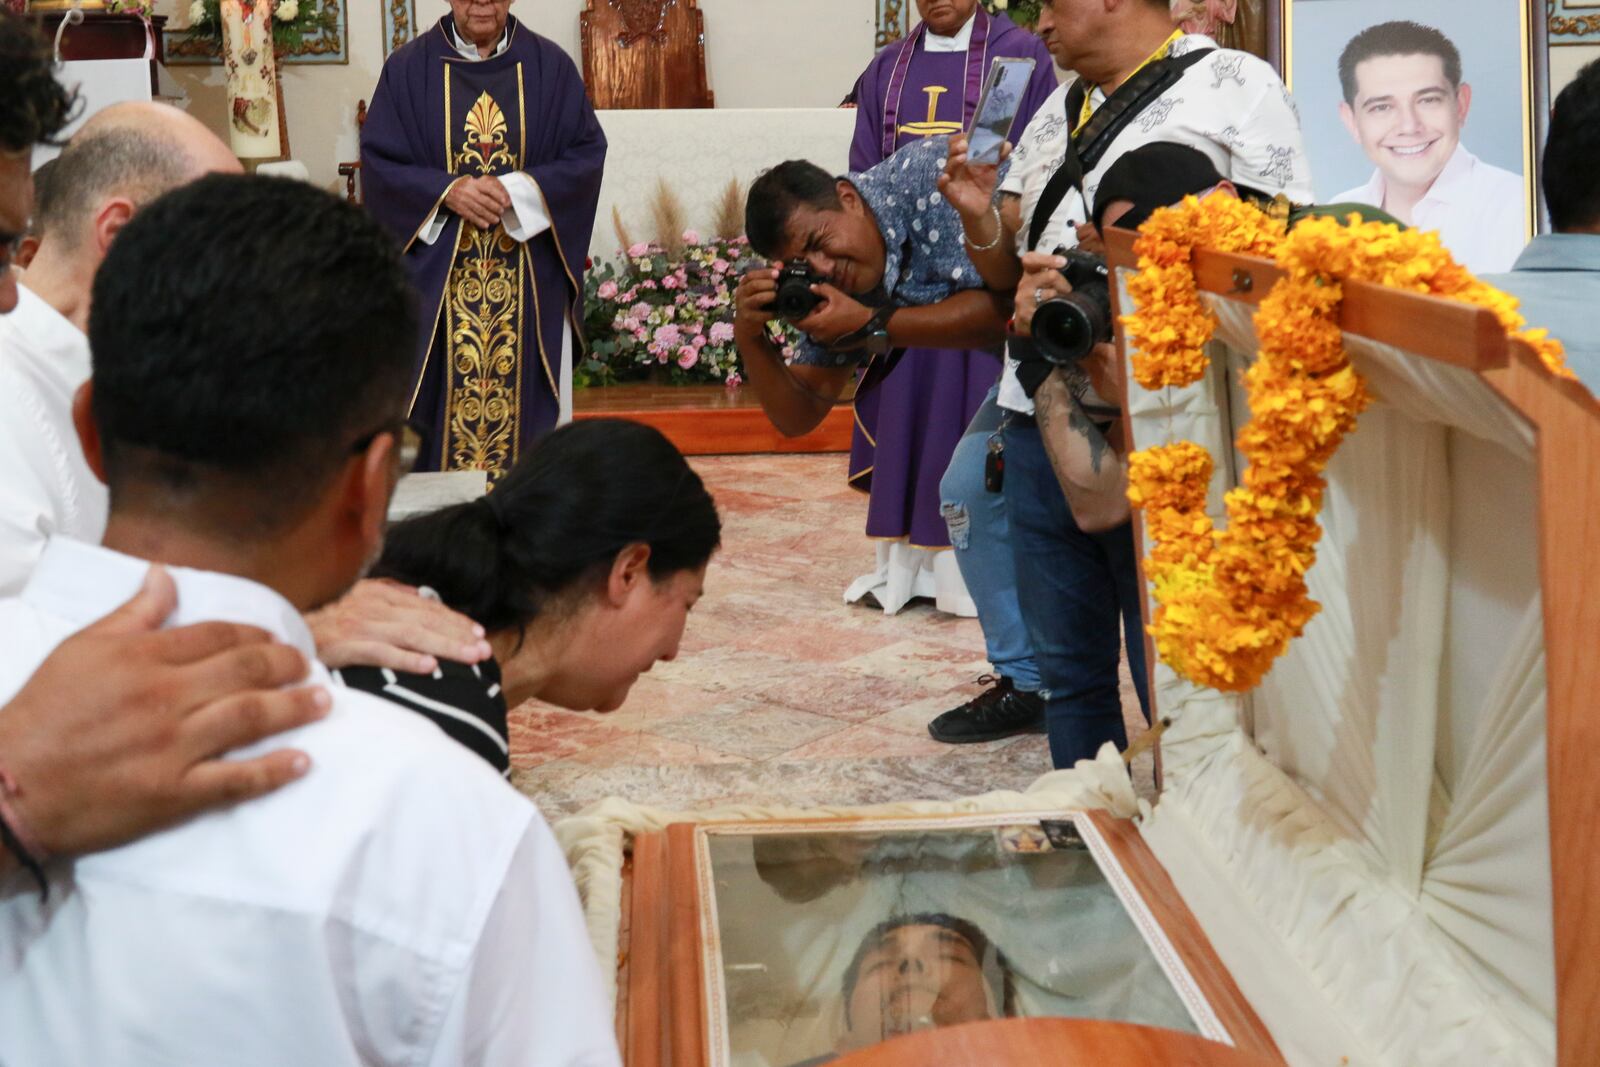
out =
column 1375, row 857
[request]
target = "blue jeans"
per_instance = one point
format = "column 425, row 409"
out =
column 1072, row 587
column 981, row 537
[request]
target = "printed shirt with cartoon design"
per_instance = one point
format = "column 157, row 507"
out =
column 1231, row 106
column 924, row 261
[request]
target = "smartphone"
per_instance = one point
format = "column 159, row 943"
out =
column 1003, row 91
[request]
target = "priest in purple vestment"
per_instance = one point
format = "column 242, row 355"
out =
column 908, row 425
column 482, row 155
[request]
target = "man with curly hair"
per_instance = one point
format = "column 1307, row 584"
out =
column 35, row 109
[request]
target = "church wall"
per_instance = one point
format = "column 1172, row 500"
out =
column 759, row 53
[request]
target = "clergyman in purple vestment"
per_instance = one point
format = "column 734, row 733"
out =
column 908, row 424
column 484, row 160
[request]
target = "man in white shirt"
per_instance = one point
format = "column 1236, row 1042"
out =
column 120, row 731
column 1074, row 586
column 125, row 157
column 400, row 903
column 1405, row 105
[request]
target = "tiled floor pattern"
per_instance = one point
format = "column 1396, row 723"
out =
column 782, row 694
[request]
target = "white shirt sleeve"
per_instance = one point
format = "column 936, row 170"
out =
column 434, row 226
column 532, row 993
column 526, row 217
column 1268, row 152
column 30, row 510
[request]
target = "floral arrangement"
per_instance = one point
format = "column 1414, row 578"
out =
column 292, row 22
column 1022, row 12
column 1230, row 601
column 143, row 8
column 654, row 314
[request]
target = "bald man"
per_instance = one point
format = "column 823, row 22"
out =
column 123, row 158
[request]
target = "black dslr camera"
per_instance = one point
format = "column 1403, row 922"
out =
column 1065, row 328
column 795, row 299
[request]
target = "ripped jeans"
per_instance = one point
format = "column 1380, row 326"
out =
column 981, row 537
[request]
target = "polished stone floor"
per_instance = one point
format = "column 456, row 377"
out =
column 782, row 694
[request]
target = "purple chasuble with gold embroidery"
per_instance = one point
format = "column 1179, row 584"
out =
column 493, row 310
column 908, row 424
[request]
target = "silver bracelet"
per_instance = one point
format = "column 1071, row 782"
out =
column 999, row 232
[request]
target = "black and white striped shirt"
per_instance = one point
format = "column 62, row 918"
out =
column 463, row 700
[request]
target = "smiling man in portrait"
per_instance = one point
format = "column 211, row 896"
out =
column 1405, row 104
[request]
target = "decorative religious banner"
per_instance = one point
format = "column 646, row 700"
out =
column 254, row 131
column 302, row 31
column 399, row 23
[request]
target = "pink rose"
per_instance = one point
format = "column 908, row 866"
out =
column 691, row 237
column 721, row 332
column 735, row 379
column 670, row 282
column 688, row 357
column 639, row 334
column 719, row 265
column 638, row 250
column 648, row 283
column 607, row 290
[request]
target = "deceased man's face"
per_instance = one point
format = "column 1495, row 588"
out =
column 1406, row 116
column 915, row 978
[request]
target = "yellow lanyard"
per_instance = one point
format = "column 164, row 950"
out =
column 1160, row 53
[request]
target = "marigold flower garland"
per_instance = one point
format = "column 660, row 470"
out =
column 1230, row 601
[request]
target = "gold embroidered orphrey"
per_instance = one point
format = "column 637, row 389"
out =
column 484, row 325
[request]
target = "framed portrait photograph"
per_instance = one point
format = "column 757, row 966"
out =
column 1428, row 110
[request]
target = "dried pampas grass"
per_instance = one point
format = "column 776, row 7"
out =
column 729, row 213
column 667, row 211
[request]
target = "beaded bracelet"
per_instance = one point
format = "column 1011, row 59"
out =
column 15, row 839
column 999, row 232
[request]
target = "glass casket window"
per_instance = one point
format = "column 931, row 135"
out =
column 828, row 942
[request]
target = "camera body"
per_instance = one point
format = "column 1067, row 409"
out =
column 795, row 300
column 1065, row 328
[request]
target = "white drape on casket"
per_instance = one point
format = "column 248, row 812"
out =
column 1365, row 836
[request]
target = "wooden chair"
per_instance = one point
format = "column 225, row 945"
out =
column 644, row 53
column 351, row 172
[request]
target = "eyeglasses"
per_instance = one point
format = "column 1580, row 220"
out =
column 408, row 437
column 10, row 245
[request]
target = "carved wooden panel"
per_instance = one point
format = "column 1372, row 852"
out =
column 644, row 53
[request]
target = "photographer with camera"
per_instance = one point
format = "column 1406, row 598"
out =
column 1139, row 81
column 862, row 265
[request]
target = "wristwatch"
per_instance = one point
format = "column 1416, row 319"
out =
column 872, row 336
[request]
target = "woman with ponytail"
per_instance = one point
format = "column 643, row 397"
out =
column 581, row 565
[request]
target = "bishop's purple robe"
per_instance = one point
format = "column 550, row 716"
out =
column 908, row 424
column 493, row 310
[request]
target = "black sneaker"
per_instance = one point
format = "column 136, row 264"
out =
column 999, row 711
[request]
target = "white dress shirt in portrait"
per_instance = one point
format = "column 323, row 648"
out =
column 401, row 904
column 1230, row 106
column 46, row 486
column 1476, row 207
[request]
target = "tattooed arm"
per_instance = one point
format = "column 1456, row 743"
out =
column 1090, row 468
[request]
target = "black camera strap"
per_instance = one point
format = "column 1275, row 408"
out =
column 1086, row 146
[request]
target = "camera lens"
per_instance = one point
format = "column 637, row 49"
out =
column 1065, row 328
